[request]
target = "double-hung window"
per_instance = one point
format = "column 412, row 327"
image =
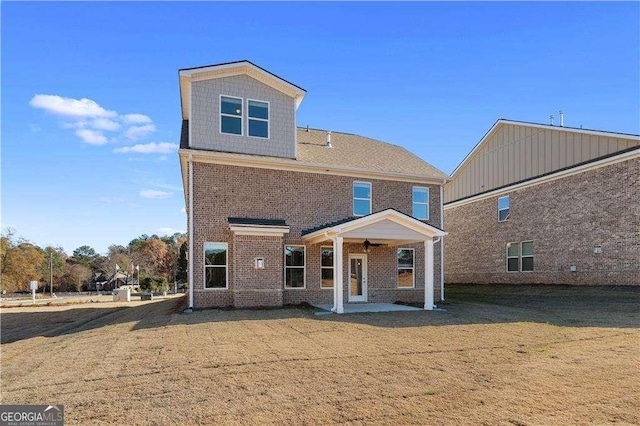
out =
column 326, row 266
column 420, row 199
column 215, row 265
column 503, row 208
column 526, row 256
column 513, row 257
column 406, row 276
column 294, row 266
column 520, row 256
column 258, row 118
column 230, row 115
column 361, row 198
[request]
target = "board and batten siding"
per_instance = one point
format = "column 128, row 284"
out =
column 516, row 152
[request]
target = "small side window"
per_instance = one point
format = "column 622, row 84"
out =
column 503, row 208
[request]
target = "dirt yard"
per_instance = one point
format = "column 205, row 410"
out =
column 498, row 355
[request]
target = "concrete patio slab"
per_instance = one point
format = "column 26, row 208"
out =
column 353, row 308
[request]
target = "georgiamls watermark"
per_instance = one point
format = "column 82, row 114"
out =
column 31, row 415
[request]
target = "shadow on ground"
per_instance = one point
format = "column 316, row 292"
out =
column 607, row 307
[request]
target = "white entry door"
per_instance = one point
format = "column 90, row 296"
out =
column 357, row 278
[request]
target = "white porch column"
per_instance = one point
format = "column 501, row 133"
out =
column 428, row 274
column 338, row 284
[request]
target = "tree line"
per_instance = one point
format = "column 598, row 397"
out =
column 152, row 261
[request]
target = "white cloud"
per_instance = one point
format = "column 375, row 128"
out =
column 183, row 210
column 71, row 107
column 90, row 120
column 148, row 148
column 138, row 132
column 92, row 137
column 169, row 231
column 105, row 124
column 136, row 119
column 153, row 194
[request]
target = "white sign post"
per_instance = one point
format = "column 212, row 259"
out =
column 34, row 287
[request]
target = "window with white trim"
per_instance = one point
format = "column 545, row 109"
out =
column 230, row 115
column 215, row 265
column 361, row 198
column 258, row 116
column 513, row 257
column 406, row 276
column 326, row 267
column 420, row 201
column 503, row 208
column 526, row 256
column 294, row 266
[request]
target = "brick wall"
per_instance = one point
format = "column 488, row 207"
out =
column 304, row 200
column 566, row 219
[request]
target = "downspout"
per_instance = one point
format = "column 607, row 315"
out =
column 190, row 163
column 442, row 241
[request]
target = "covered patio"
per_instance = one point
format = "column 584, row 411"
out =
column 357, row 308
column 388, row 227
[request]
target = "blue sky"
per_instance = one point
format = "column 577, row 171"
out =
column 432, row 77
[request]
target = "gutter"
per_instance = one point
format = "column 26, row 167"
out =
column 190, row 166
column 441, row 240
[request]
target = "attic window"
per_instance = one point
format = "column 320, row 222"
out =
column 230, row 115
column 258, row 119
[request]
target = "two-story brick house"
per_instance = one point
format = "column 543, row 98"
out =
column 282, row 215
column 543, row 204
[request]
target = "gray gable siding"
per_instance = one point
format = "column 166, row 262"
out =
column 205, row 117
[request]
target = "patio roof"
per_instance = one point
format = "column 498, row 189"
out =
column 388, row 227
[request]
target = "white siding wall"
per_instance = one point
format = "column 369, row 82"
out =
column 205, row 117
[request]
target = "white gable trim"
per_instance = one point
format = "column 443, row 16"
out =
column 536, row 126
column 187, row 76
column 425, row 230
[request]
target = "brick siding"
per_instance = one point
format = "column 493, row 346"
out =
column 303, row 200
column 566, row 219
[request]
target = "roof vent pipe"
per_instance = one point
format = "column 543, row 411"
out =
column 328, row 144
column 561, row 118
column 551, row 119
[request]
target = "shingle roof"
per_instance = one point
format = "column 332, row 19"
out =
column 350, row 151
column 256, row 221
column 359, row 152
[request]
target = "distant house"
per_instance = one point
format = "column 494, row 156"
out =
column 279, row 214
column 535, row 203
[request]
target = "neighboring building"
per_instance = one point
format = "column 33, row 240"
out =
column 537, row 203
column 285, row 215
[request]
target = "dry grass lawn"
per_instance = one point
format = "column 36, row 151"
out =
column 498, row 355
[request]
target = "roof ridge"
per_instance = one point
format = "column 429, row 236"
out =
column 352, row 134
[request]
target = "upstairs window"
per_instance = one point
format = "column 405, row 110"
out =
column 258, row 119
column 230, row 115
column 361, row 198
column 503, row 208
column 420, row 203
